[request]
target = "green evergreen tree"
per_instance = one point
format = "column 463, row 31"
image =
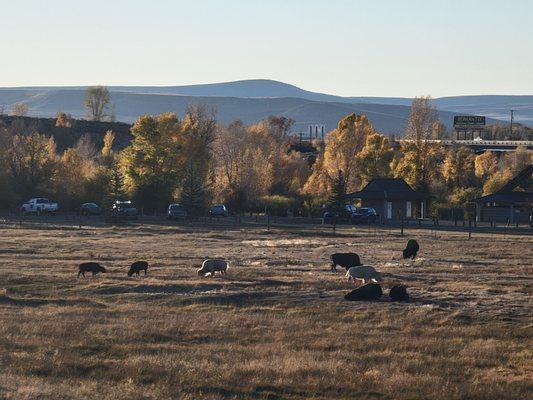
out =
column 337, row 199
column 194, row 194
column 115, row 187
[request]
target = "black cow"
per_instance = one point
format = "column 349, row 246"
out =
column 345, row 260
column 93, row 267
column 137, row 267
column 411, row 250
column 370, row 291
column 399, row 293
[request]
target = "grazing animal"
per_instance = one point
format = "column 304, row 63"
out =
column 213, row 265
column 411, row 249
column 93, row 267
column 371, row 291
column 399, row 293
column 345, row 260
column 363, row 273
column 137, row 267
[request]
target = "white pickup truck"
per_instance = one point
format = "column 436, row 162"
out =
column 39, row 206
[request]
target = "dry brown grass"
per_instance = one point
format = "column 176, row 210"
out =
column 275, row 327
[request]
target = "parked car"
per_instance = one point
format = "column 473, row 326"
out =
column 124, row 209
column 339, row 217
column 218, row 210
column 39, row 206
column 176, row 211
column 90, row 209
column 365, row 215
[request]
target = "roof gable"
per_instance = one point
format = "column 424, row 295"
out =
column 387, row 188
column 388, row 184
column 523, row 180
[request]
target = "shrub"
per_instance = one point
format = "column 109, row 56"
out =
column 277, row 205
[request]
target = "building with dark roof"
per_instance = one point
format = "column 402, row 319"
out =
column 393, row 199
column 513, row 203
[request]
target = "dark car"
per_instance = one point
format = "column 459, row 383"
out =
column 176, row 211
column 339, row 217
column 124, row 209
column 365, row 215
column 218, row 210
column 90, row 209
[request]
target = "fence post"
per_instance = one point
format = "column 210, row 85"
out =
column 469, row 229
column 268, row 222
column 402, row 226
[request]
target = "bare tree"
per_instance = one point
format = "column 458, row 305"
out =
column 422, row 119
column 244, row 170
column 200, row 122
column 279, row 127
column 98, row 103
column 420, row 129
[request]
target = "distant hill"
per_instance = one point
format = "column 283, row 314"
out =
column 253, row 100
column 493, row 106
column 389, row 119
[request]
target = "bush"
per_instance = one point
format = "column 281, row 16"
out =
column 277, row 205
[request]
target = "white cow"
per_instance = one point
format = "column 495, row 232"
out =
column 213, row 265
column 363, row 273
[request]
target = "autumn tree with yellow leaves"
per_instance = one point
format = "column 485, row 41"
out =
column 341, row 153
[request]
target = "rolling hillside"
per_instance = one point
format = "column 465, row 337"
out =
column 254, row 100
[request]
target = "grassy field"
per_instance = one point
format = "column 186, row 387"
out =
column 276, row 327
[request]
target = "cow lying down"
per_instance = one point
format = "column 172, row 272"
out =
column 370, row 291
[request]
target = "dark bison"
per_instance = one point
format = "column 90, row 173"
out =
column 93, row 267
column 370, row 291
column 137, row 267
column 399, row 293
column 345, row 260
column 411, row 249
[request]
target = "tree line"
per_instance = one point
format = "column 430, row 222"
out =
column 196, row 161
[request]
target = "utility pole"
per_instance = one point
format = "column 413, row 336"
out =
column 512, row 117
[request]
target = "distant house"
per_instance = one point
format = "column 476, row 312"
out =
column 393, row 199
column 513, row 203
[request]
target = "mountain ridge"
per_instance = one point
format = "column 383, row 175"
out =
column 251, row 100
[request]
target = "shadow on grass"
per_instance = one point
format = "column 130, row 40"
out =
column 158, row 289
column 33, row 302
column 237, row 300
column 271, row 392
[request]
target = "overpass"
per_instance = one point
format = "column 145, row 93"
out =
column 479, row 145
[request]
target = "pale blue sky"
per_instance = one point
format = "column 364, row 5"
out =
column 352, row 48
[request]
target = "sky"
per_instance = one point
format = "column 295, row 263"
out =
column 349, row 48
